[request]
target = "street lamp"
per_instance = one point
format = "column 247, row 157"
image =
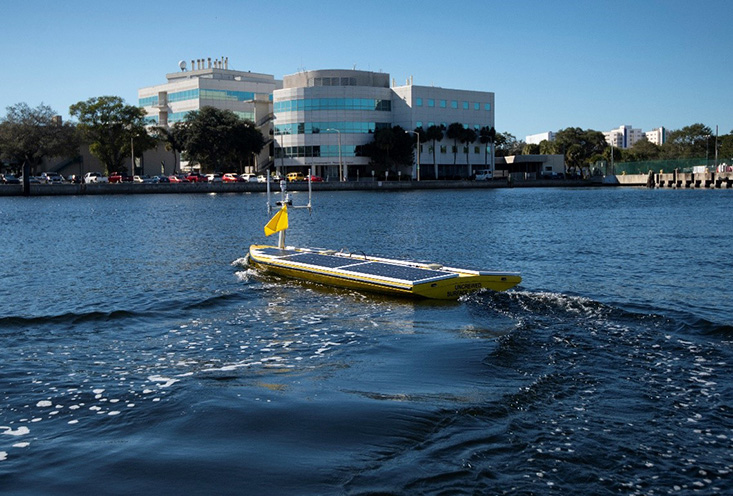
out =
column 417, row 151
column 341, row 169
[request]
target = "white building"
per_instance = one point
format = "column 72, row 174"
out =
column 657, row 136
column 323, row 116
column 623, row 137
column 211, row 83
column 536, row 139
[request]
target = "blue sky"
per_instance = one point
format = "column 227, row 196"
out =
column 552, row 64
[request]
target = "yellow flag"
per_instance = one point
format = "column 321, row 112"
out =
column 278, row 222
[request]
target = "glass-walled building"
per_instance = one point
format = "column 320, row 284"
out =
column 212, row 83
column 322, row 117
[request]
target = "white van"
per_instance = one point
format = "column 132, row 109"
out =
column 484, row 175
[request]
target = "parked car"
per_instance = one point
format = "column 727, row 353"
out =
column 52, row 178
column 195, row 177
column 248, row 178
column 9, row 179
column 314, row 179
column 73, row 178
column 229, row 178
column 137, row 179
column 174, row 179
column 94, row 177
column 213, row 178
column 484, row 175
column 295, row 176
column 115, row 178
column 161, row 179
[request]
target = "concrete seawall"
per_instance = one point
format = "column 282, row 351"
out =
column 677, row 180
column 198, row 188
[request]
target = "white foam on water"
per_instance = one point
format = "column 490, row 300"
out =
column 21, row 445
column 20, row 431
column 167, row 381
column 44, row 403
column 3, row 455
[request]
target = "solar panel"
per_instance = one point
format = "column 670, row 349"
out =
column 322, row 260
column 276, row 252
column 395, row 271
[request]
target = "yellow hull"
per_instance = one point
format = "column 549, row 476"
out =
column 376, row 274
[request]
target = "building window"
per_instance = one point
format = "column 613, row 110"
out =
column 476, row 150
column 454, row 104
column 465, row 105
column 476, row 106
column 487, row 106
column 443, row 104
column 443, row 149
column 431, row 102
column 418, row 102
column 418, row 124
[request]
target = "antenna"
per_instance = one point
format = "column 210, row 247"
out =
column 286, row 200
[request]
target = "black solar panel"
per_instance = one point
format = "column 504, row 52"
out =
column 398, row 271
column 276, row 252
column 322, row 260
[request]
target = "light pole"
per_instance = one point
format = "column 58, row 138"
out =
column 341, row 169
column 417, row 151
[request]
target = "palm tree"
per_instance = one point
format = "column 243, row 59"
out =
column 434, row 134
column 173, row 140
column 486, row 136
column 467, row 137
column 454, row 132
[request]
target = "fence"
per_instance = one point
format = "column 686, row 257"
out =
column 663, row 166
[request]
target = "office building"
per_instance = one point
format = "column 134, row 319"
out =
column 323, row 116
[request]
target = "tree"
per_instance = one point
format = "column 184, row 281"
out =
column 507, row 144
column 531, row 149
column 486, row 136
column 112, row 129
column 434, row 134
column 644, row 150
column 726, row 147
column 391, row 148
column 694, row 141
column 219, row 140
column 468, row 137
column 28, row 135
column 454, row 132
column 172, row 138
column 589, row 143
column 548, row 148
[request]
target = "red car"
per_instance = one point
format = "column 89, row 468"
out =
column 115, row 177
column 195, row 177
column 314, row 179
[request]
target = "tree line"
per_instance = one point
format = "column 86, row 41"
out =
column 222, row 142
column 585, row 147
column 217, row 139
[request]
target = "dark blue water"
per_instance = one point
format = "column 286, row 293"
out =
column 139, row 356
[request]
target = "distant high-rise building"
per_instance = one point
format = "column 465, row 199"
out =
column 623, row 137
column 657, row 136
column 536, row 139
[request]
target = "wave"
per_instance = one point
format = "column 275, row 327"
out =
column 160, row 309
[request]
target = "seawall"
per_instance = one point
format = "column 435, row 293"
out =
column 198, row 188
